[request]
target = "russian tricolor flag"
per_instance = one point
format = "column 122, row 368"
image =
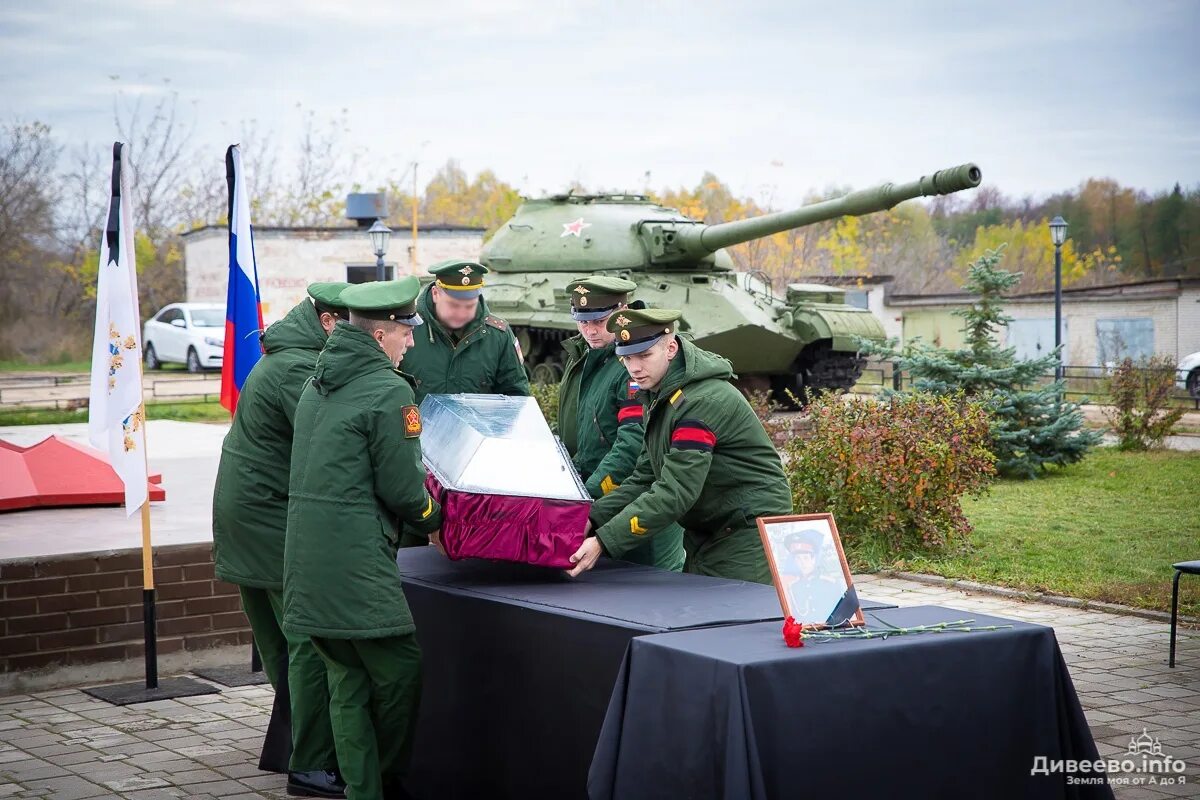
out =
column 243, row 310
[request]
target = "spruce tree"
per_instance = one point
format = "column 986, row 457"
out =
column 1032, row 427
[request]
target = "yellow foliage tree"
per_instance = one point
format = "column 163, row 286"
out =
column 1028, row 250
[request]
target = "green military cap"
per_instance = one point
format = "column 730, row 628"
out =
column 637, row 329
column 463, row 279
column 395, row 300
column 327, row 298
column 597, row 296
column 807, row 541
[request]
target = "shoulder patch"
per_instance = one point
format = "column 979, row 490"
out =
column 496, row 322
column 412, row 421
column 632, row 390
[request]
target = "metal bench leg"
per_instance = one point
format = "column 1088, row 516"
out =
column 1174, row 615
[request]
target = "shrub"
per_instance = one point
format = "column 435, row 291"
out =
column 779, row 425
column 1141, row 393
column 892, row 472
column 546, row 395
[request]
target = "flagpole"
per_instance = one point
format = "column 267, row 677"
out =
column 149, row 605
column 149, row 610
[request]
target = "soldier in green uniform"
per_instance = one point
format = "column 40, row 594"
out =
column 706, row 463
column 357, row 474
column 250, row 519
column 463, row 349
column 599, row 411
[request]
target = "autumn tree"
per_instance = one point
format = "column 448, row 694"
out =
column 42, row 306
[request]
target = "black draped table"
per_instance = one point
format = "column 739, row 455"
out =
column 519, row 663
column 733, row 713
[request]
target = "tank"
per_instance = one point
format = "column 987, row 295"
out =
column 788, row 339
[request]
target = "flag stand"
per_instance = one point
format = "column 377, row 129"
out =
column 124, row 694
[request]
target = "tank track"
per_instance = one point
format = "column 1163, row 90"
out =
column 834, row 371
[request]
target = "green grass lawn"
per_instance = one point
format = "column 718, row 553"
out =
column 64, row 366
column 198, row 411
column 1107, row 528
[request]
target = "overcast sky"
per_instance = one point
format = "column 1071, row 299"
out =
column 776, row 98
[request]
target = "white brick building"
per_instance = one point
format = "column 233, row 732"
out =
column 291, row 258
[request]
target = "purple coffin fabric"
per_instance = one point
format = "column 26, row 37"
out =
column 507, row 487
column 529, row 530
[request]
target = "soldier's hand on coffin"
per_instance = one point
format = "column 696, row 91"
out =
column 435, row 539
column 585, row 557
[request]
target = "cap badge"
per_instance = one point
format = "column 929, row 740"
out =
column 465, row 270
column 582, row 290
column 622, row 320
column 624, row 336
column 466, row 281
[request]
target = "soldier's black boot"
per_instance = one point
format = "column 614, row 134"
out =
column 319, row 783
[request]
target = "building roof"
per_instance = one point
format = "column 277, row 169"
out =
column 1134, row 290
column 846, row 280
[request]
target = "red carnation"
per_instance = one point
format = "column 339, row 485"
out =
column 793, row 633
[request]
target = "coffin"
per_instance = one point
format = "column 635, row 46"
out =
column 507, row 487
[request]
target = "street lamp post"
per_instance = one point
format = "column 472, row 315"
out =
column 1058, row 235
column 380, row 234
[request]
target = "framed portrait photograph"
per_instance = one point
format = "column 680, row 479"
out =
column 810, row 571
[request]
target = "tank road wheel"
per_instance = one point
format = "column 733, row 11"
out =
column 836, row 371
column 823, row 368
column 547, row 372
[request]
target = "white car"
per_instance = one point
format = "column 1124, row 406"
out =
column 186, row 333
column 1188, row 375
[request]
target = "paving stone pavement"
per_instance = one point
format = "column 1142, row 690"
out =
column 64, row 744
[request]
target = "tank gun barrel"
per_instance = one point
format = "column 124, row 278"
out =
column 708, row 238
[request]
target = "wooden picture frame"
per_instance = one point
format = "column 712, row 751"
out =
column 809, row 570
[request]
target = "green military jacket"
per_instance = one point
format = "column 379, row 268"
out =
column 707, row 464
column 599, row 415
column 356, row 474
column 251, row 494
column 600, row 423
column 484, row 360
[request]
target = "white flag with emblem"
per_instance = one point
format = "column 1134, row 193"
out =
column 115, row 418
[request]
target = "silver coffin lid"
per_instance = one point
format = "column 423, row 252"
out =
column 495, row 444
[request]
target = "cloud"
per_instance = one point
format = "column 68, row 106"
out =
column 1042, row 96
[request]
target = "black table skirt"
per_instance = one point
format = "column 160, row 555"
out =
column 734, row 713
column 520, row 662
